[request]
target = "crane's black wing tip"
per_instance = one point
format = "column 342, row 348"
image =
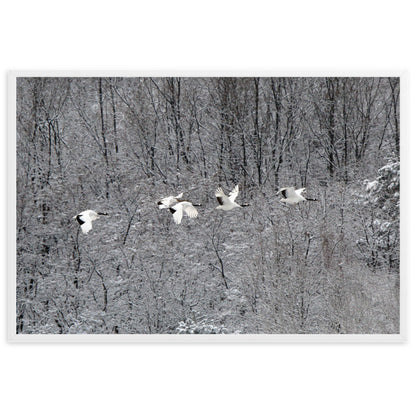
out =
column 80, row 221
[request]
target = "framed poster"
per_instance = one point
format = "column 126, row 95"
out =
column 204, row 207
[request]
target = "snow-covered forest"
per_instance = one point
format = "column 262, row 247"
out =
column 118, row 145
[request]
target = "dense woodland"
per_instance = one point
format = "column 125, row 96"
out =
column 118, row 145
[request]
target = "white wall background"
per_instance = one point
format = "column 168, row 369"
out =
column 110, row 379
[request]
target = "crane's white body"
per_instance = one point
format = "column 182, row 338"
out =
column 85, row 219
column 227, row 202
column 292, row 196
column 169, row 200
column 183, row 207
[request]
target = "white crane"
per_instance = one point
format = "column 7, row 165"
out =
column 183, row 207
column 292, row 196
column 85, row 219
column 227, row 203
column 169, row 200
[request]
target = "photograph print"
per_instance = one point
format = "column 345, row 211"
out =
column 207, row 205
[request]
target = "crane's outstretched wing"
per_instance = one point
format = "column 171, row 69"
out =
column 177, row 212
column 288, row 192
column 234, row 193
column 86, row 226
column 221, row 197
column 299, row 191
column 168, row 201
column 85, row 219
column 165, row 202
column 190, row 210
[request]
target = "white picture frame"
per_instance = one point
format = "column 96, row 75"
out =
column 176, row 338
